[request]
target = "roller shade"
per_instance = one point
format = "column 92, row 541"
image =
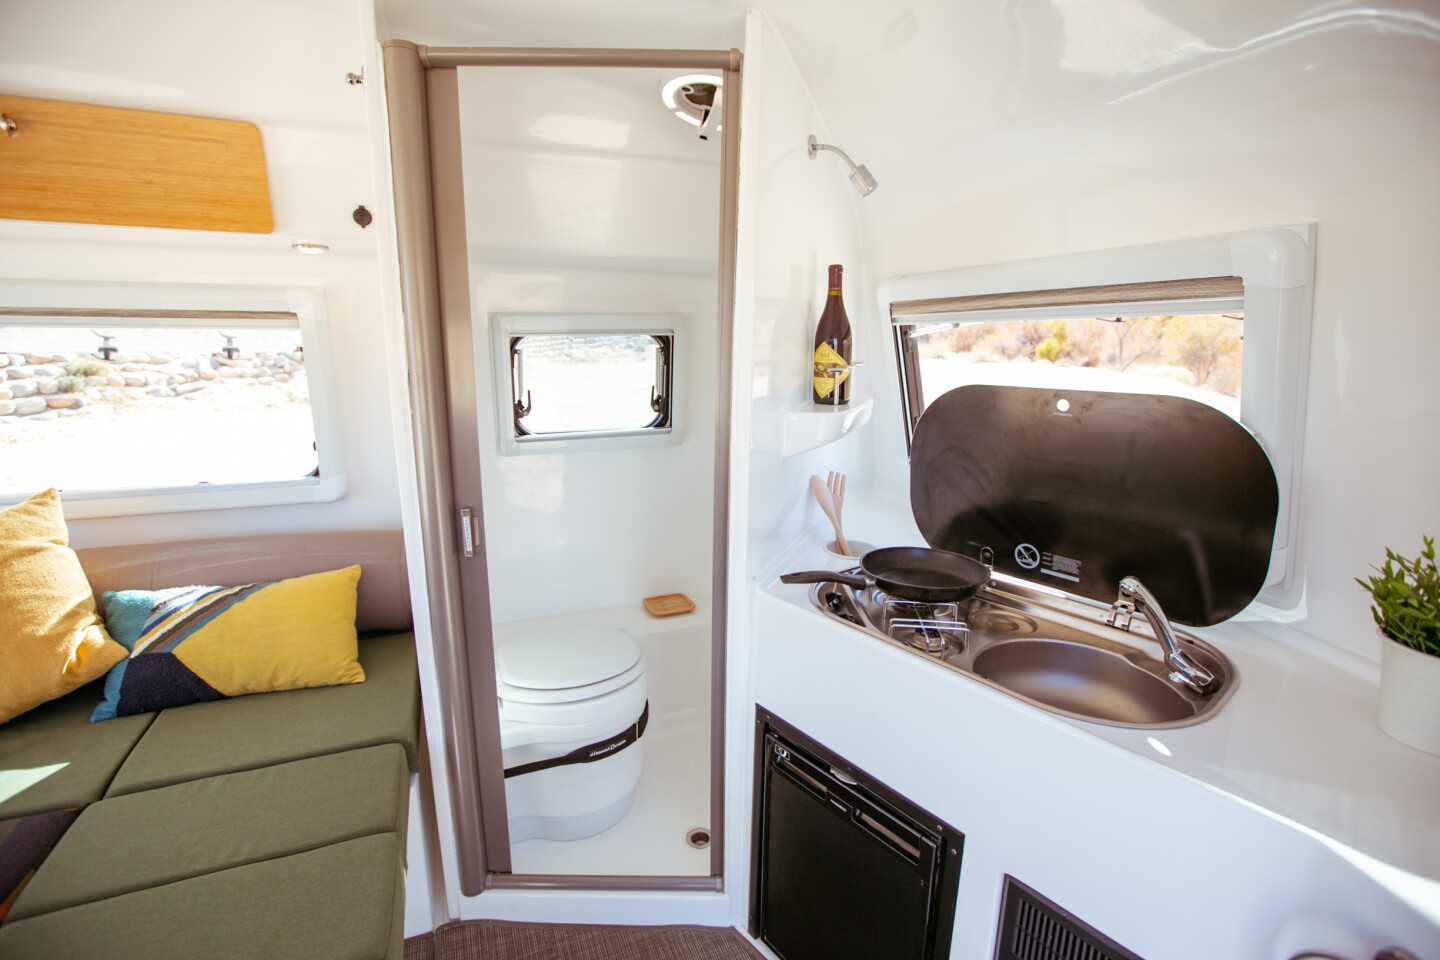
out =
column 1156, row 292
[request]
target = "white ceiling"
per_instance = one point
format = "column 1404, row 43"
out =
column 983, row 98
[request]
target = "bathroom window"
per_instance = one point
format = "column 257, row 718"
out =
column 574, row 381
column 1223, row 320
column 134, row 399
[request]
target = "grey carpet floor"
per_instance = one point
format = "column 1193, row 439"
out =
column 498, row 940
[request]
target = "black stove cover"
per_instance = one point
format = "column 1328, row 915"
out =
column 1076, row 489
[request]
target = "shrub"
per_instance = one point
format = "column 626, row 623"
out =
column 88, row 367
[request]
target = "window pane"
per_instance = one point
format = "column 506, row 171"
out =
column 578, row 383
column 167, row 406
column 1190, row 356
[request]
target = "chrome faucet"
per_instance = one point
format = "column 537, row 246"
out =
column 1135, row 598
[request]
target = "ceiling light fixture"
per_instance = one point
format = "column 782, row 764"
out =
column 695, row 98
column 311, row 248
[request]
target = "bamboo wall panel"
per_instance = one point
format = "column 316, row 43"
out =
column 78, row 163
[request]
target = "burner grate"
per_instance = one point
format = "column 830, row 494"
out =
column 933, row 627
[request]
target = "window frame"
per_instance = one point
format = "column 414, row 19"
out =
column 196, row 305
column 1276, row 269
column 508, row 328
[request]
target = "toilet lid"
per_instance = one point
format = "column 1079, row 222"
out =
column 562, row 658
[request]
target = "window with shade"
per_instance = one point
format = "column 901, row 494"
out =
column 1182, row 338
column 585, row 381
column 139, row 399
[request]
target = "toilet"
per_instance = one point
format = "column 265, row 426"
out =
column 573, row 710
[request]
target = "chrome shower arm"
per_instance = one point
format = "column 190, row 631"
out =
column 859, row 175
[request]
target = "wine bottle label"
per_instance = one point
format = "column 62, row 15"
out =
column 825, row 381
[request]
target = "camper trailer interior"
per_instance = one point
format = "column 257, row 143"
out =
column 716, row 480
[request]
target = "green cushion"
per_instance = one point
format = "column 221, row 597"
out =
column 344, row 900
column 53, row 757
column 227, row 736
column 159, row 836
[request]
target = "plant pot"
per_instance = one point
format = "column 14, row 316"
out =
column 1410, row 695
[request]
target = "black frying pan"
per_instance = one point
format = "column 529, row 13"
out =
column 921, row 574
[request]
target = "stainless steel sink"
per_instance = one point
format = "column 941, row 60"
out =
column 1082, row 681
column 1057, row 653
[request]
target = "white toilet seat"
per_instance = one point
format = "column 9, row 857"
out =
column 517, row 694
column 566, row 658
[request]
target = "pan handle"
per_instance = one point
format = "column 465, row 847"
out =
column 851, row 580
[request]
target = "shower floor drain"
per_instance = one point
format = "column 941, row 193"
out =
column 699, row 838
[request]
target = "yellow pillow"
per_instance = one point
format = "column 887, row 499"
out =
column 193, row 644
column 51, row 640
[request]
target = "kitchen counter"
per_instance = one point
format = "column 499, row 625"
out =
column 1294, row 760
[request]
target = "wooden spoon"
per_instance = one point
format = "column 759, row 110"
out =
column 827, row 507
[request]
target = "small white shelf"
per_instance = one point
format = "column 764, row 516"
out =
column 806, row 426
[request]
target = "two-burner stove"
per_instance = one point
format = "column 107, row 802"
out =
column 941, row 630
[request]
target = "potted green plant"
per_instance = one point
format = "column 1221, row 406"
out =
column 1406, row 595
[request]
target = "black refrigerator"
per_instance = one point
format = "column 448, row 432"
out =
column 843, row 867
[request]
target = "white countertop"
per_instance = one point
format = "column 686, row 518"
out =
column 1298, row 738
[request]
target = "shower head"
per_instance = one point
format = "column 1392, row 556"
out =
column 863, row 180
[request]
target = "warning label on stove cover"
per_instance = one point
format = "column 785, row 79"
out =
column 1031, row 557
column 1065, row 568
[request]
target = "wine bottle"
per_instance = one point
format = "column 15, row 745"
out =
column 832, row 347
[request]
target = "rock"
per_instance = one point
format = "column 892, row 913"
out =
column 231, row 372
column 114, row 380
column 134, row 380
column 96, row 381
column 7, row 407
column 62, row 358
column 48, row 387
column 38, row 358
column 208, row 374
column 47, row 370
column 23, row 388
column 30, row 406
column 282, row 378
column 17, row 373
column 4, row 360
column 47, row 415
column 65, row 401
column 266, row 381
column 160, row 359
column 159, row 391
column 192, row 363
column 5, row 393
column 130, row 367
column 112, row 395
column 185, row 388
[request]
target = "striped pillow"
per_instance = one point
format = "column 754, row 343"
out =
column 193, row 644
